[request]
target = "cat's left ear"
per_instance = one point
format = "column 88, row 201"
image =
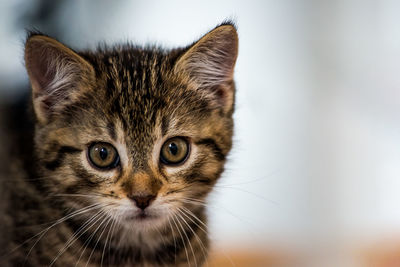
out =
column 210, row 64
column 57, row 75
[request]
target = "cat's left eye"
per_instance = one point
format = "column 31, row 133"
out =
column 174, row 151
column 103, row 155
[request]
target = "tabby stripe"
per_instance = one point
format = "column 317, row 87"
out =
column 209, row 142
column 164, row 125
column 111, row 130
column 54, row 164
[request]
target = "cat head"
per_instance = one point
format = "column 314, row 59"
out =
column 134, row 133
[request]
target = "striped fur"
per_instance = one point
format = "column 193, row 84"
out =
column 134, row 98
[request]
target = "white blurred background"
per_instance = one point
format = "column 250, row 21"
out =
column 315, row 169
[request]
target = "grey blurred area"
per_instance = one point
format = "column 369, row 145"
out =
column 316, row 162
column 17, row 17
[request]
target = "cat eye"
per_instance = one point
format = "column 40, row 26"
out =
column 103, row 155
column 174, row 151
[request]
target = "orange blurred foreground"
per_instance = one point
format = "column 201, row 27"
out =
column 249, row 258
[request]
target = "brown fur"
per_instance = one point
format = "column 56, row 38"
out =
column 135, row 99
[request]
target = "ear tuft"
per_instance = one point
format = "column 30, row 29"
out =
column 55, row 73
column 210, row 61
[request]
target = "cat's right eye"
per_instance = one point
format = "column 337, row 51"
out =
column 103, row 155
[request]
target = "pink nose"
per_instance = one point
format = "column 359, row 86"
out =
column 142, row 201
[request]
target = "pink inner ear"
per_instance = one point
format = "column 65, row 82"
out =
column 221, row 94
column 210, row 63
column 211, row 60
column 42, row 73
column 55, row 72
column 224, row 95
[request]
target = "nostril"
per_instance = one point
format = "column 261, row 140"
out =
column 142, row 201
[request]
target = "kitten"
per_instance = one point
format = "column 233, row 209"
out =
column 127, row 143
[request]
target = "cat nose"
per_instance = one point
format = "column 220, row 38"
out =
column 142, row 201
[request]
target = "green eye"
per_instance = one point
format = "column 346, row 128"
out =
column 174, row 151
column 103, row 156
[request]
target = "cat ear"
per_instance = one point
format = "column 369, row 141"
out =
column 56, row 74
column 210, row 63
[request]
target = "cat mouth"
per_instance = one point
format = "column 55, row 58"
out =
column 141, row 216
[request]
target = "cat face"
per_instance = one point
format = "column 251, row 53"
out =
column 130, row 134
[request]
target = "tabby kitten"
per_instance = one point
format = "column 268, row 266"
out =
column 128, row 141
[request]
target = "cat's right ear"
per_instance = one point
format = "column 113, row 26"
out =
column 210, row 63
column 56, row 74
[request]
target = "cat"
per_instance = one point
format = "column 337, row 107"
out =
column 123, row 146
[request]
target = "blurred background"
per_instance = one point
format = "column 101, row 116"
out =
column 314, row 176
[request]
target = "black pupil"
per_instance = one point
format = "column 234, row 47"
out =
column 173, row 148
column 103, row 153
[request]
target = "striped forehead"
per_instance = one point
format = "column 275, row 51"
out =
column 135, row 101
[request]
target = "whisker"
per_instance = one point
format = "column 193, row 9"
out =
column 189, row 212
column 44, row 231
column 241, row 219
column 272, row 173
column 117, row 223
column 183, row 240
column 270, row 201
column 173, row 236
column 91, row 195
column 105, row 245
column 89, row 239
column 197, row 218
column 75, row 236
column 194, row 233
column 187, row 238
column 98, row 239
